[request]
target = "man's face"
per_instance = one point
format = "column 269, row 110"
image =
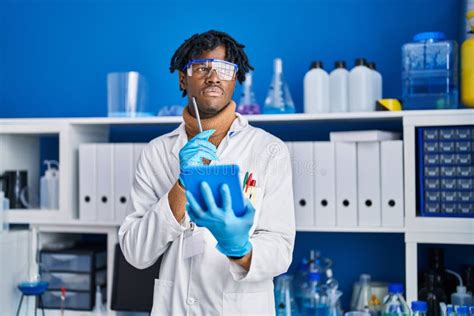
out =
column 211, row 93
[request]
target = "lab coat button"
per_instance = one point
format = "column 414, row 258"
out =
column 191, row 300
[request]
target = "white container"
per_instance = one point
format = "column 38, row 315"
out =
column 49, row 186
column 377, row 82
column 361, row 95
column 461, row 296
column 316, row 89
column 339, row 88
column 4, row 206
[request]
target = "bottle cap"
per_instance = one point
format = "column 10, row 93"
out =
column 461, row 289
column 396, row 288
column 426, row 36
column 340, row 64
column 461, row 310
column 360, row 62
column 419, row 306
column 372, row 66
column 316, row 64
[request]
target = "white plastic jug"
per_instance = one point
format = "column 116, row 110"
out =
column 316, row 89
column 339, row 88
column 49, row 186
column 377, row 82
column 361, row 95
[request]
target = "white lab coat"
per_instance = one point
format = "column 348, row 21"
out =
column 209, row 283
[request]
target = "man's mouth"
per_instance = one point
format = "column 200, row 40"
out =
column 213, row 92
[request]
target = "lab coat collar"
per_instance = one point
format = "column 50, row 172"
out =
column 239, row 124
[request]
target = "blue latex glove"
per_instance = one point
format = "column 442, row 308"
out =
column 230, row 231
column 196, row 149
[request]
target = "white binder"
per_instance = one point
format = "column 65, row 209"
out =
column 392, row 183
column 105, row 178
column 87, row 183
column 303, row 185
column 137, row 152
column 346, row 184
column 124, row 170
column 368, row 180
column 325, row 184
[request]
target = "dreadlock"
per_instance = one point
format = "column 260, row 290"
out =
column 198, row 43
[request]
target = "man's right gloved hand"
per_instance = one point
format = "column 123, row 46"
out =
column 196, row 149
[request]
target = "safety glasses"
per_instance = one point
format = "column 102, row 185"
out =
column 202, row 68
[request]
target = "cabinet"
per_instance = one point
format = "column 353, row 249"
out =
column 20, row 149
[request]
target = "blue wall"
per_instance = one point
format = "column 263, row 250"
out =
column 55, row 54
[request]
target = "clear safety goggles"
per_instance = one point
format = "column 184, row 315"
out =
column 202, row 68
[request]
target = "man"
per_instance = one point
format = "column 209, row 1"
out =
column 214, row 263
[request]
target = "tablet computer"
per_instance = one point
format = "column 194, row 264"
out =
column 215, row 176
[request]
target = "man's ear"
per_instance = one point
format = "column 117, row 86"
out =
column 182, row 81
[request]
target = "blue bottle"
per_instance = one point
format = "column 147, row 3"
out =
column 430, row 72
column 419, row 308
column 314, row 299
column 395, row 304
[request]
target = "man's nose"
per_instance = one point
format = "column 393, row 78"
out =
column 213, row 77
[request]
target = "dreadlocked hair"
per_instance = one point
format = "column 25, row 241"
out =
column 198, row 43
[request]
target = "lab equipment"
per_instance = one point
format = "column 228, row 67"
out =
column 33, row 288
column 316, row 89
column 230, row 230
column 16, row 188
column 215, row 176
column 446, row 171
column 314, row 299
column 248, row 104
column 419, row 308
column 171, row 110
column 339, row 88
column 461, row 296
column 285, row 304
column 361, row 95
column 278, row 100
column 467, row 65
column 99, row 308
column 202, row 68
column 301, row 281
column 49, row 186
column 394, row 303
column 4, row 206
column 376, row 81
column 429, row 72
column 196, row 112
column 333, row 294
column 432, row 293
column 127, row 95
column 361, row 302
column 378, row 290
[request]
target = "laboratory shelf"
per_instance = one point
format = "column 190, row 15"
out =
column 350, row 229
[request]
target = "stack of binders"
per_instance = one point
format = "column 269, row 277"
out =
column 355, row 180
column 106, row 173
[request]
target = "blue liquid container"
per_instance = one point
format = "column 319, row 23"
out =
column 278, row 100
column 430, row 73
column 314, row 301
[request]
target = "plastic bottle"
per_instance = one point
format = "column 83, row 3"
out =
column 339, row 88
column 419, row 308
column 450, row 310
column 377, row 82
column 461, row 296
column 467, row 64
column 446, row 281
column 361, row 95
column 99, row 308
column 314, row 300
column 395, row 303
column 248, row 104
column 316, row 89
column 278, row 99
column 430, row 72
column 462, row 311
column 49, row 186
column 432, row 293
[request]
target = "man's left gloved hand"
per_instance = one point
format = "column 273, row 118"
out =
column 230, row 231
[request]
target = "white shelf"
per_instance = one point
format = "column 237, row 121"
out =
column 350, row 229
